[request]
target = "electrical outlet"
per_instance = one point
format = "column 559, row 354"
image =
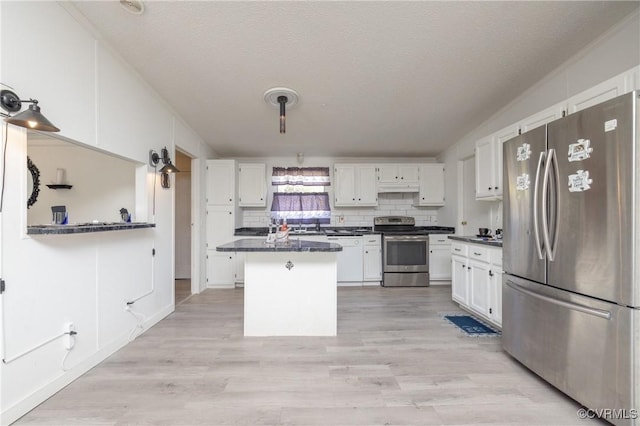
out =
column 69, row 336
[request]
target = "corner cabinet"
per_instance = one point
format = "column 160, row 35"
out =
column 431, row 185
column 355, row 185
column 252, row 185
column 476, row 282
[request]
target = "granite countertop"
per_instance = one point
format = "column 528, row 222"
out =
column 477, row 240
column 246, row 245
column 337, row 231
column 83, row 228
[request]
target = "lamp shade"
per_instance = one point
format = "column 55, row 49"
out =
column 169, row 168
column 32, row 118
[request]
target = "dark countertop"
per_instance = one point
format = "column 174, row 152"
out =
column 337, row 231
column 476, row 240
column 83, row 228
column 292, row 245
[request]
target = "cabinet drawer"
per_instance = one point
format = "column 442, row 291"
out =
column 439, row 239
column 371, row 240
column 479, row 253
column 459, row 249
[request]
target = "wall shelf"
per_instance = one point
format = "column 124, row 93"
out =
column 59, row 186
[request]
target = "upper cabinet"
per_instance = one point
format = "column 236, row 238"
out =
column 221, row 182
column 252, row 185
column 604, row 91
column 398, row 177
column 355, row 185
column 431, row 185
column 489, row 163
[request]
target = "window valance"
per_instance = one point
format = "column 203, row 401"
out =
column 307, row 176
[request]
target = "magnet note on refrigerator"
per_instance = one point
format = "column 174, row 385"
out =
column 524, row 152
column 522, row 182
column 580, row 182
column 580, row 150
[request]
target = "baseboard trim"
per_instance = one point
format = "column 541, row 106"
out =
column 21, row 408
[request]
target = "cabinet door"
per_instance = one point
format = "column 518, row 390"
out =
column 459, row 280
column 388, row 174
column 479, row 287
column 485, row 165
column 543, row 117
column 372, row 262
column 498, row 139
column 495, row 296
column 220, row 226
column 239, row 266
column 604, row 91
column 252, row 185
column 367, row 189
column 440, row 263
column 220, row 269
column 220, row 182
column 431, row 191
column 345, row 185
column 408, row 174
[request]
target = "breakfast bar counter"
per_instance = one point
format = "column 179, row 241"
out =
column 290, row 289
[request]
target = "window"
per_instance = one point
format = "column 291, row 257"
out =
column 301, row 195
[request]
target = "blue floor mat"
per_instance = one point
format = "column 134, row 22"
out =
column 471, row 326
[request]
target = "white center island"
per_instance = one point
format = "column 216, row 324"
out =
column 289, row 289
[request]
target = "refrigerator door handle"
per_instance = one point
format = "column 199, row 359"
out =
column 536, row 224
column 545, row 216
column 569, row 305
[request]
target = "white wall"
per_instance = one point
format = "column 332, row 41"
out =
column 614, row 53
column 397, row 204
column 87, row 278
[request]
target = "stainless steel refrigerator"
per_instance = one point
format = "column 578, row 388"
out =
column 571, row 298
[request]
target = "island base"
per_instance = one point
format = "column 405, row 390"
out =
column 290, row 294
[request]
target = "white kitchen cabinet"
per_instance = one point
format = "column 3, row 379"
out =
column 350, row 260
column 459, row 280
column 355, row 185
column 221, row 182
column 439, row 259
column 543, row 117
column 372, row 259
column 252, row 185
column 398, row 177
column 489, row 163
column 604, row 91
column 431, row 185
column 220, row 269
column 220, row 226
column 477, row 279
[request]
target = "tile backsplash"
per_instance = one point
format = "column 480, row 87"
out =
column 389, row 204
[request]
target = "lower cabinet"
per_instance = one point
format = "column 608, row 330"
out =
column 476, row 282
column 221, row 269
column 372, row 260
column 439, row 258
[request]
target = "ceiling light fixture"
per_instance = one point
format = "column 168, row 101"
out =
column 133, row 6
column 30, row 118
column 282, row 97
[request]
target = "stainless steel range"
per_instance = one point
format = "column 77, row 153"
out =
column 405, row 252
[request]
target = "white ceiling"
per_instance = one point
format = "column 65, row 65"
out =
column 375, row 79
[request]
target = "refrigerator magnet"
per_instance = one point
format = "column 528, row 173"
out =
column 580, row 182
column 522, row 182
column 580, row 150
column 524, row 152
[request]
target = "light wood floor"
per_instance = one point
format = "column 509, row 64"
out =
column 182, row 290
column 395, row 361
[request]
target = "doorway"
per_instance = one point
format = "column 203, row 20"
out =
column 183, row 225
column 472, row 214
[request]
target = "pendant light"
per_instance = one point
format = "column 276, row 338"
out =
column 282, row 97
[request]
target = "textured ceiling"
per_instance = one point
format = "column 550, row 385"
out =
column 375, row 78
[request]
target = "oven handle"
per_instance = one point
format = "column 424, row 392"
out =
column 406, row 237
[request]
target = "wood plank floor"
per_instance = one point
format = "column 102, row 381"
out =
column 394, row 361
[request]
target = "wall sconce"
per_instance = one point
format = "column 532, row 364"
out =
column 30, row 118
column 282, row 97
column 168, row 167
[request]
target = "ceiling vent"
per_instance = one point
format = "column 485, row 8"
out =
column 133, row 6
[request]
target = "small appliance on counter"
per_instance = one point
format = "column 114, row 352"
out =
column 59, row 215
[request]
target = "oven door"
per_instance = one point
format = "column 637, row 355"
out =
column 405, row 253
